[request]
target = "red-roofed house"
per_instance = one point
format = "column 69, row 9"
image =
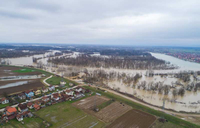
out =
column 36, row 106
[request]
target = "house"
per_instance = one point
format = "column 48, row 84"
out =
column 65, row 97
column 55, row 97
column 9, row 113
column 62, row 83
column 71, row 84
column 69, row 92
column 22, row 96
column 37, row 92
column 77, row 94
column 4, row 100
column 45, row 99
column 27, row 114
column 87, row 91
column 80, row 89
column 22, row 107
column 36, row 106
column 19, row 117
column 44, row 89
column 29, row 93
column 51, row 88
column 38, row 102
column 30, row 105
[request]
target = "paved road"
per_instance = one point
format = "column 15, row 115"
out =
column 44, row 81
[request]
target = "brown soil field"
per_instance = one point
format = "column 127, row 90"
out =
column 133, row 119
column 33, row 84
column 88, row 103
column 112, row 112
column 7, row 71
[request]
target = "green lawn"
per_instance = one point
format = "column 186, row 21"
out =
column 28, row 123
column 65, row 115
column 24, row 70
column 56, row 81
column 4, row 105
column 171, row 119
column 30, row 69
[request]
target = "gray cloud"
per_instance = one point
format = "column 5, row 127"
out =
column 155, row 22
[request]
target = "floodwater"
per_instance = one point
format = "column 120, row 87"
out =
column 182, row 64
column 8, row 78
column 13, row 84
column 21, row 61
column 185, row 103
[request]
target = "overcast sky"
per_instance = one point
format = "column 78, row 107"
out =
column 131, row 22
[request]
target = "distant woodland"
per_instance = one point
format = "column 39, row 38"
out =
column 119, row 62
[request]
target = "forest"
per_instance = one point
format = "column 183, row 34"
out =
column 119, row 62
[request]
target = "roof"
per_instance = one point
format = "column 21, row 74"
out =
column 37, row 102
column 28, row 91
column 29, row 104
column 55, row 95
column 36, row 106
column 45, row 97
column 10, row 109
column 22, row 106
column 19, row 116
column 68, row 91
column 3, row 99
column 25, row 113
column 21, row 94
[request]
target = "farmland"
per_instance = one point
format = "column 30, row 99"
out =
column 112, row 112
column 88, row 103
column 108, row 113
column 134, row 119
column 63, row 115
column 174, row 121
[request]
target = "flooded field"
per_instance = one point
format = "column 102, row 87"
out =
column 15, row 79
column 32, row 84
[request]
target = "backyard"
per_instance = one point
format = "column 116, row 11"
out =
column 28, row 123
column 56, row 81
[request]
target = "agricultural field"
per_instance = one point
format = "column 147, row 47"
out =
column 28, row 123
column 158, row 124
column 32, row 84
column 88, row 103
column 112, row 112
column 108, row 113
column 134, row 119
column 63, row 115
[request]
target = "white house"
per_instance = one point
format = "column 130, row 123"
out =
column 69, row 92
column 4, row 100
column 51, row 88
column 19, row 117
